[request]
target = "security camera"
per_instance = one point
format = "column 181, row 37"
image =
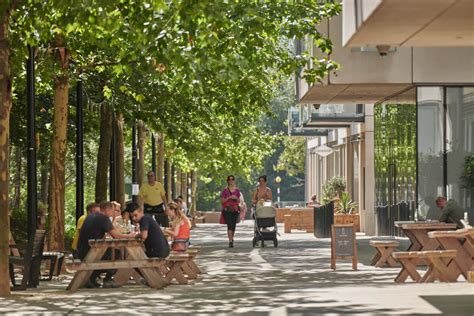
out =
column 383, row 49
column 316, row 106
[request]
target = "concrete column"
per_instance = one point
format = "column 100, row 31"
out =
column 368, row 215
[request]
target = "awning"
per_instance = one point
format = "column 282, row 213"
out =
column 352, row 93
column 409, row 23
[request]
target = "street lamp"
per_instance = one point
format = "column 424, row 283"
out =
column 278, row 180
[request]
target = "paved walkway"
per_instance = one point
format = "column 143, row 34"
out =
column 293, row 279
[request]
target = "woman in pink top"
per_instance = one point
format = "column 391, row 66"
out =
column 230, row 199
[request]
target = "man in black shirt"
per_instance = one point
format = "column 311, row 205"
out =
column 95, row 227
column 156, row 244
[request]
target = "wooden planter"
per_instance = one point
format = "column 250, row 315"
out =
column 348, row 219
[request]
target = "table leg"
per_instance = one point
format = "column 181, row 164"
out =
column 94, row 255
column 462, row 262
column 176, row 273
column 189, row 271
column 408, row 269
column 152, row 276
column 376, row 257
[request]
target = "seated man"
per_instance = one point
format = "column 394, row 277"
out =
column 90, row 209
column 156, row 244
column 451, row 211
column 95, row 227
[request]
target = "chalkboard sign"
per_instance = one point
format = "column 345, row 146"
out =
column 343, row 244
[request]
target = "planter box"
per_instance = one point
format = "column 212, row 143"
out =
column 348, row 219
column 280, row 214
column 299, row 218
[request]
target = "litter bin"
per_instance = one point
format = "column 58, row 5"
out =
column 323, row 219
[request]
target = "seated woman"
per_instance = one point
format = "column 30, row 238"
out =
column 180, row 227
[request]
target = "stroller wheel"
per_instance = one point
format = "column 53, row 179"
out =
column 275, row 242
column 254, row 242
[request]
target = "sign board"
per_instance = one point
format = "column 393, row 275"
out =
column 323, row 150
column 343, row 244
column 135, row 189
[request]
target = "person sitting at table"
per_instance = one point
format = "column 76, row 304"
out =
column 96, row 226
column 451, row 212
column 156, row 245
column 91, row 208
column 180, row 228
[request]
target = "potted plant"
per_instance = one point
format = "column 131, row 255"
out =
column 333, row 189
column 343, row 211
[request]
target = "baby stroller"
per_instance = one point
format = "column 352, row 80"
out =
column 265, row 226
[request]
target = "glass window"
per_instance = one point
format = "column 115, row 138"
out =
column 459, row 143
column 430, row 149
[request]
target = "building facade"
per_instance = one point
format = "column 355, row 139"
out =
column 399, row 114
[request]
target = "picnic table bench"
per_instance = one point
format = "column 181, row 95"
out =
column 384, row 250
column 135, row 258
column 437, row 262
column 461, row 240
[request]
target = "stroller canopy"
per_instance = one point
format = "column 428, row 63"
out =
column 265, row 212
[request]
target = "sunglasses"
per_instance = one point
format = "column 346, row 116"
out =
column 230, row 179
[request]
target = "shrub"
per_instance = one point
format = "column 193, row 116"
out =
column 333, row 189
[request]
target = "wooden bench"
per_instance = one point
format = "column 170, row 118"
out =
column 302, row 219
column 384, row 252
column 30, row 261
column 56, row 260
column 437, row 261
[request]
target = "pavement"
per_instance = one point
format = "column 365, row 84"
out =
column 293, row 279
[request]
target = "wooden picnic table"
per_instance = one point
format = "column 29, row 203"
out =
column 461, row 240
column 134, row 258
column 417, row 232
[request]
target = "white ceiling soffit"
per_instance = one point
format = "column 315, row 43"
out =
column 417, row 23
column 352, row 93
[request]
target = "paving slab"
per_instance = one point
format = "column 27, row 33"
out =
column 293, row 279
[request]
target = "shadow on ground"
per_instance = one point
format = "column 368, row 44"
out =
column 294, row 278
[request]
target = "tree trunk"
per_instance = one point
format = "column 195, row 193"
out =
column 103, row 155
column 184, row 185
column 178, row 183
column 15, row 202
column 120, row 160
column 169, row 181
column 58, row 160
column 141, row 152
column 44, row 183
column 193, row 192
column 160, row 166
column 5, row 108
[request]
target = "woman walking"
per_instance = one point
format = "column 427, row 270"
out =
column 230, row 199
column 262, row 192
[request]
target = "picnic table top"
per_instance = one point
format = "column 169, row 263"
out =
column 452, row 233
column 425, row 225
column 112, row 242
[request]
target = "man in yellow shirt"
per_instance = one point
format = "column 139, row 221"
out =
column 90, row 209
column 152, row 198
